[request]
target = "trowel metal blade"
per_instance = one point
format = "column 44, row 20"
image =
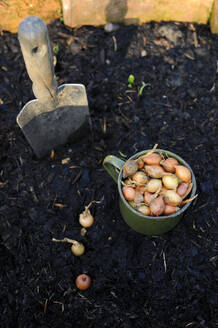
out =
column 46, row 127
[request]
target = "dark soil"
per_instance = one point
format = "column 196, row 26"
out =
column 137, row 280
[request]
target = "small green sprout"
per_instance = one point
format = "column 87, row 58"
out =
column 217, row 67
column 56, row 48
column 142, row 88
column 122, row 154
column 131, row 80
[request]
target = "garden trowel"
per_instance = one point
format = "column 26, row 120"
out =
column 59, row 113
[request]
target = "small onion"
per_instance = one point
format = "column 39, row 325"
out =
column 152, row 159
column 153, row 185
column 144, row 210
column 140, row 189
column 172, row 198
column 182, row 189
column 183, row 173
column 129, row 193
column 169, row 209
column 157, row 206
column 138, row 198
column 77, row 248
column 140, row 177
column 169, row 164
column 154, row 171
column 83, row 281
column 170, row 181
column 147, row 197
column 140, row 163
column 133, row 205
column 86, row 219
column 129, row 168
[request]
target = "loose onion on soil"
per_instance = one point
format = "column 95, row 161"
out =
column 156, row 185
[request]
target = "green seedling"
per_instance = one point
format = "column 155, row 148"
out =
column 56, row 48
column 142, row 88
column 217, row 67
column 122, row 154
column 131, row 80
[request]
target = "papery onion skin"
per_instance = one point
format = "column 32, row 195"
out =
column 153, row 185
column 147, row 197
column 152, row 159
column 77, row 248
column 172, row 198
column 140, row 163
column 170, row 181
column 182, row 189
column 140, row 177
column 183, row 173
column 145, row 210
column 157, row 206
column 83, row 281
column 169, row 209
column 138, row 198
column 169, row 164
column 129, row 193
column 129, row 168
column 86, row 219
column 154, row 171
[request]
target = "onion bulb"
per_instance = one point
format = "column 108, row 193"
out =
column 169, row 209
column 83, row 281
column 169, row 164
column 129, row 168
column 86, row 219
column 77, row 248
column 182, row 189
column 172, row 198
column 170, row 181
column 140, row 163
column 129, row 193
column 157, row 206
column 183, row 173
column 154, row 171
column 144, row 210
column 153, row 185
column 138, row 198
column 147, row 197
column 140, row 177
column 152, row 159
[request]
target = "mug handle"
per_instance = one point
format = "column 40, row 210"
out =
column 111, row 163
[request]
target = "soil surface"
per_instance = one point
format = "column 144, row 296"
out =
column 137, row 280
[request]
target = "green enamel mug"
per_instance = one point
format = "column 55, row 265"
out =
column 147, row 225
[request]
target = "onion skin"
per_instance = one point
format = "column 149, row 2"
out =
column 77, row 248
column 86, row 219
column 169, row 209
column 153, row 185
column 172, row 198
column 170, row 181
column 129, row 193
column 157, row 206
column 152, row 159
column 147, row 197
column 140, row 163
column 144, row 210
column 183, row 173
column 138, row 198
column 154, row 171
column 83, row 281
column 169, row 164
column 182, row 189
column 129, row 168
column 140, row 177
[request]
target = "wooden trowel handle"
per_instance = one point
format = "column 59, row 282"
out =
column 37, row 54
